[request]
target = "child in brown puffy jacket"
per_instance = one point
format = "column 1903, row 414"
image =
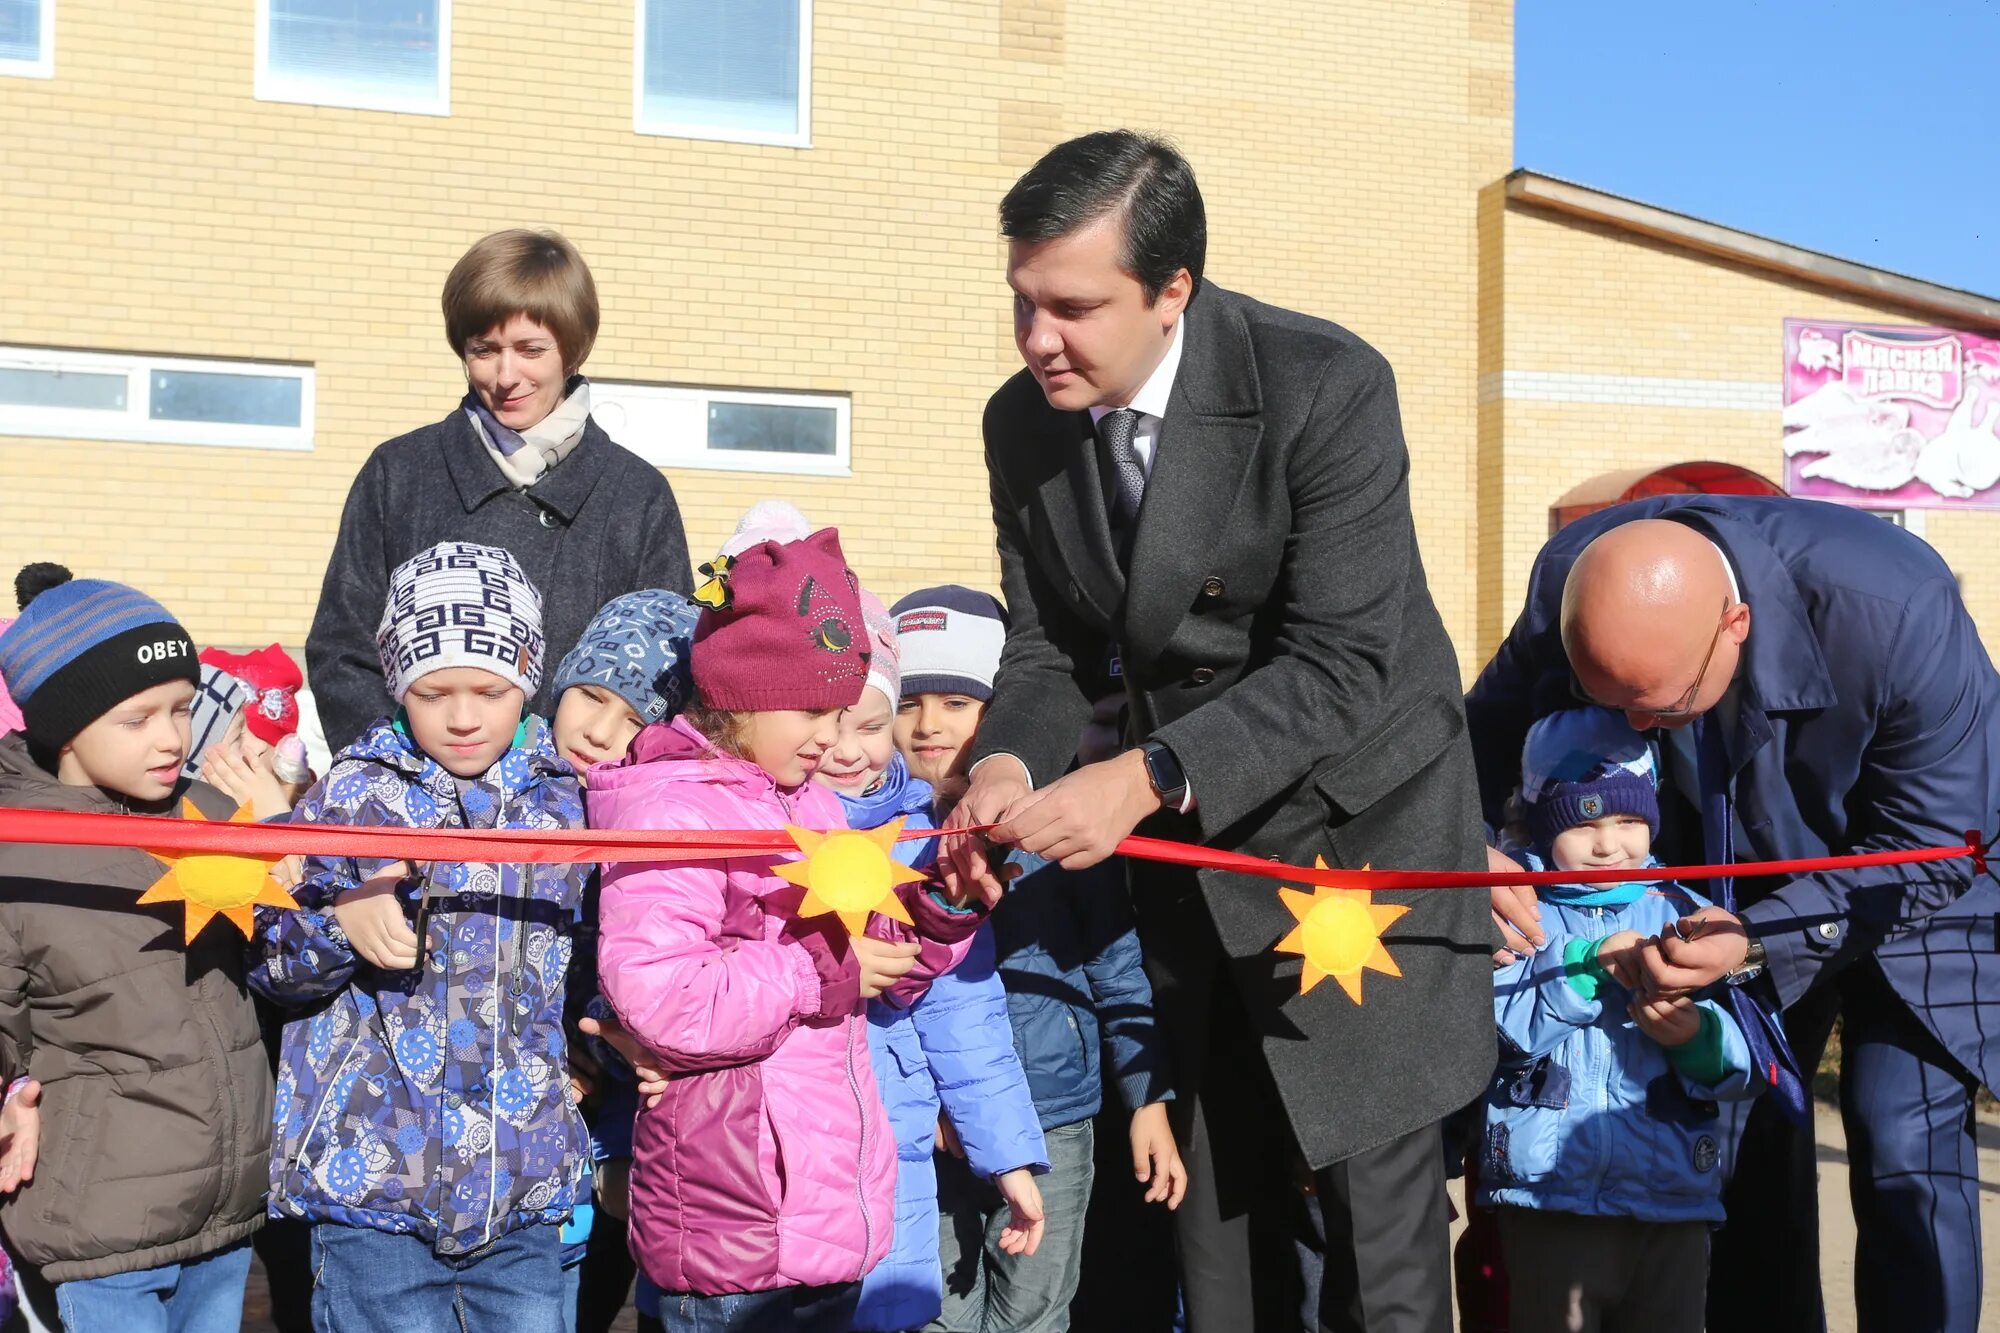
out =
column 135, row 1189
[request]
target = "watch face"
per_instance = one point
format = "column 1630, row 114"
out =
column 1164, row 770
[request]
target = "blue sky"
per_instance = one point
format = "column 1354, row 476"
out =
column 1868, row 129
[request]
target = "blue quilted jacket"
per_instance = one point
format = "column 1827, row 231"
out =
column 953, row 1048
column 431, row 1102
column 1586, row 1113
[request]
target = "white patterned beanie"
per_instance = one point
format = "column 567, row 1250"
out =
column 461, row 605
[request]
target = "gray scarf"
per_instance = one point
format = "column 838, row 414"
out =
column 526, row 456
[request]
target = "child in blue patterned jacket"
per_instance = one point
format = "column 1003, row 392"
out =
column 1603, row 1151
column 423, row 1117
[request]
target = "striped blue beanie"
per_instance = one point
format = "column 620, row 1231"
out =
column 84, row 646
column 636, row 646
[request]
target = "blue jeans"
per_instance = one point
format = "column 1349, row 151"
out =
column 787, row 1310
column 204, row 1295
column 365, row 1280
column 989, row 1291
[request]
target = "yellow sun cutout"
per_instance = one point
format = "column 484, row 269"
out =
column 1340, row 933
column 216, row 884
column 849, row 872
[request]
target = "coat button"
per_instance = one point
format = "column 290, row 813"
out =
column 1202, row 675
column 1829, row 930
column 1211, row 586
column 548, row 519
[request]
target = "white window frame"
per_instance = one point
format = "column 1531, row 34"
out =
column 695, row 453
column 44, row 65
column 681, row 130
column 270, row 87
column 134, row 424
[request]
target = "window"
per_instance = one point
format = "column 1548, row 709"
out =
column 739, row 70
column 28, row 38
column 379, row 55
column 726, row 429
column 154, row 399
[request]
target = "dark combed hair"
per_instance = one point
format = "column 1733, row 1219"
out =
column 1145, row 179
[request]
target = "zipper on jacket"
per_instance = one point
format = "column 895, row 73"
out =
column 861, row 1165
column 231, row 1165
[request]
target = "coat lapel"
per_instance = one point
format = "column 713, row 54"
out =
column 1211, row 430
column 1072, row 499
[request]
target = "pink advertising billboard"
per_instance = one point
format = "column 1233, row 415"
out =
column 1892, row 417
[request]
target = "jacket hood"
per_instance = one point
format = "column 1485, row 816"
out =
column 25, row 784
column 673, row 755
column 899, row 794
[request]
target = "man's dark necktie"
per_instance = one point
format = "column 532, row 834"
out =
column 1128, row 474
column 1762, row 1030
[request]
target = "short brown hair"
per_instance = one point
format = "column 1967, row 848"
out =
column 522, row 272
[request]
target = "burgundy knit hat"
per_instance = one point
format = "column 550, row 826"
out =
column 780, row 627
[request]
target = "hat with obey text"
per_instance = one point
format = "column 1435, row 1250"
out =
column 82, row 647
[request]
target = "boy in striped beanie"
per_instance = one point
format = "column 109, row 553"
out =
column 82, row 648
column 149, row 1223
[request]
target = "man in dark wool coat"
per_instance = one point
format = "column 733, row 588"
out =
column 1208, row 497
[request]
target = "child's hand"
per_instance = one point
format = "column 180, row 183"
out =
column 290, row 872
column 1156, row 1160
column 1671, row 1023
column 1021, row 1233
column 947, row 1137
column 372, row 918
column 1618, row 954
column 20, row 1137
column 883, row 964
column 254, row 784
column 646, row 1065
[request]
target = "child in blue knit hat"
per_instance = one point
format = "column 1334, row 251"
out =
column 1604, row 1143
column 138, row 1040
column 628, row 671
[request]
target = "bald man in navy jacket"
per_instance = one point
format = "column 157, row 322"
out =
column 1817, row 688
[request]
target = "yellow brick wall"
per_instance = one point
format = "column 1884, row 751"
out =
column 1585, row 298
column 152, row 205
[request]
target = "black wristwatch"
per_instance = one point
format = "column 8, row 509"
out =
column 1164, row 772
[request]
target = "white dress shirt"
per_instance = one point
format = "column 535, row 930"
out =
column 1151, row 400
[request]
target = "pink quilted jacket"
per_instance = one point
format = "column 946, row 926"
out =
column 769, row 1161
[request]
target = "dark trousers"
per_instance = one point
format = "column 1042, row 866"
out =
column 1913, row 1165
column 1255, row 1218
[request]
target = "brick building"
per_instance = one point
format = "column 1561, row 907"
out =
column 226, row 224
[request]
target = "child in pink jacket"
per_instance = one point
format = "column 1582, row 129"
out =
column 763, row 1179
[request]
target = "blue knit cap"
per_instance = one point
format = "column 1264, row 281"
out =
column 84, row 646
column 1581, row 765
column 637, row 647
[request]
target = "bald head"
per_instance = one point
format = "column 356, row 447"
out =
column 1640, row 611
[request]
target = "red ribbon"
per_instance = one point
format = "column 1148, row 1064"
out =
column 564, row 846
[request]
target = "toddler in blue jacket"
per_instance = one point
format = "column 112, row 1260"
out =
column 952, row 1050
column 1604, row 1144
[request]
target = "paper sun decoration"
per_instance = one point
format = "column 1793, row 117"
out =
column 216, row 884
column 849, row 872
column 1340, row 933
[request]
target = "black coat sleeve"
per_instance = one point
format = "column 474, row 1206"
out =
column 342, row 666
column 1040, row 706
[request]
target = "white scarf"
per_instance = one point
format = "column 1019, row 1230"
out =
column 525, row 457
